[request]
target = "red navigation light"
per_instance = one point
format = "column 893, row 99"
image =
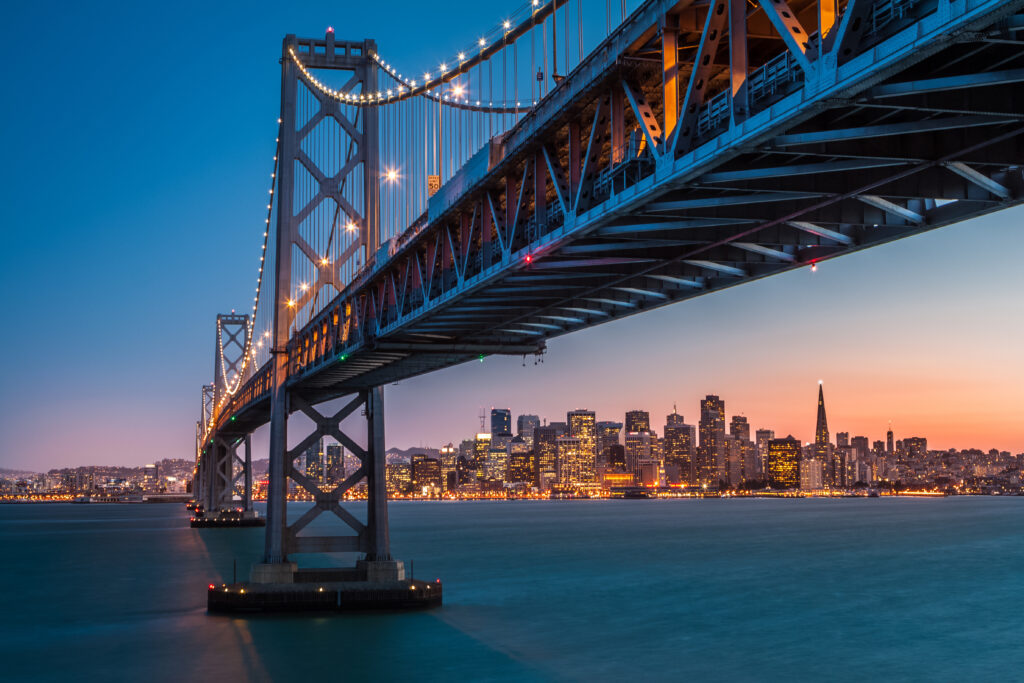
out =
column 529, row 258
column 211, row 586
column 437, row 580
column 330, row 29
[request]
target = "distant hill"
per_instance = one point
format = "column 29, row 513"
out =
column 5, row 472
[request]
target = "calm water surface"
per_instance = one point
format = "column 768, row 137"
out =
column 575, row 590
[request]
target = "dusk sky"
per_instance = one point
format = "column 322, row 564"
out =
column 138, row 139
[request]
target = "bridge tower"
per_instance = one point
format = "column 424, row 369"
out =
column 328, row 166
column 223, row 474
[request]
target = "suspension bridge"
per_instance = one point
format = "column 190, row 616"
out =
column 553, row 176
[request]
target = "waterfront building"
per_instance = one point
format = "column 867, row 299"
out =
column 426, row 475
column 638, row 421
column 398, row 477
column 501, row 422
column 810, row 475
column 711, row 451
column 784, row 463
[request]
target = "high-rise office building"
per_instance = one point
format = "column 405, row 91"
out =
column 637, row 450
column 315, row 461
column 822, row 445
column 426, row 475
column 449, row 466
column 784, row 463
column 638, row 421
column 481, row 447
column 739, row 428
column 545, row 448
column 711, row 451
column 842, row 439
column 501, row 422
column 520, row 468
column 607, row 436
column 678, row 447
column 888, row 441
column 733, row 461
column 562, row 427
column 525, row 424
column 583, row 426
column 763, row 436
column 398, row 477
column 569, row 460
column 334, row 464
column 861, row 445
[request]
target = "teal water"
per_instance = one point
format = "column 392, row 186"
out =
column 758, row 589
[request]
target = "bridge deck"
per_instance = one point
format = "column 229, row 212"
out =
column 586, row 212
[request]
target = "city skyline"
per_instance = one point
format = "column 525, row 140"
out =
column 918, row 331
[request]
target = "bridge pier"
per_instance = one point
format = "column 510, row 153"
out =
column 377, row 581
column 220, row 483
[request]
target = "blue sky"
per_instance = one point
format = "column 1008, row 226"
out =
column 138, row 139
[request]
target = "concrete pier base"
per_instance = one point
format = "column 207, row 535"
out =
column 284, row 588
column 226, row 519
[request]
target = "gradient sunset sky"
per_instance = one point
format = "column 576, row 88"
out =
column 138, row 139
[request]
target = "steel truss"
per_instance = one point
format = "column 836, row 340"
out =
column 703, row 145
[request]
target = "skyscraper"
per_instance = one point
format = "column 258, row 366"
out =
column 501, row 422
column 637, row 451
column 583, row 426
column 711, row 452
column 739, row 428
column 678, row 447
column 315, row 461
column 545, row 448
column 822, row 446
column 525, row 424
column 607, row 436
column 334, row 464
column 888, row 441
column 763, row 437
column 569, row 460
column 638, row 421
column 784, row 463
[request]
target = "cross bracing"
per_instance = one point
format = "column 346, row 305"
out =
column 700, row 146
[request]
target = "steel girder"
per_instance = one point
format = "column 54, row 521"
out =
column 597, row 206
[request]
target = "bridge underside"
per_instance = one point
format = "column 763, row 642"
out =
column 579, row 223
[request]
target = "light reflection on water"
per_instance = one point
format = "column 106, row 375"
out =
column 704, row 589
